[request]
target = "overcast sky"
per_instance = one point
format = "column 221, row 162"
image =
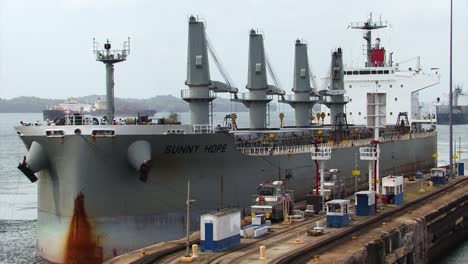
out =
column 46, row 45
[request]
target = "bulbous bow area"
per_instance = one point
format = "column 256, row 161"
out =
column 139, row 157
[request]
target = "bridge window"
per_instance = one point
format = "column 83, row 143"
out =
column 355, row 72
column 386, row 72
column 374, row 72
column 379, row 72
column 268, row 191
column 364, row 72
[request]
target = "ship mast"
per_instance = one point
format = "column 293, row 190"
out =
column 260, row 92
column 109, row 57
column 368, row 26
column 304, row 96
column 202, row 90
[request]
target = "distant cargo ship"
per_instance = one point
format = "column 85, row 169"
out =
column 72, row 106
column 459, row 109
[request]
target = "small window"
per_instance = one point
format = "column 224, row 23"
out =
column 379, row 72
column 393, row 71
column 390, row 86
column 396, row 99
column 386, row 72
column 379, row 85
column 401, row 86
column 350, row 99
column 303, row 72
column 374, row 72
column 198, row 61
column 359, row 113
column 350, row 86
column 391, row 113
column 103, row 133
column 350, row 113
column 258, row 67
column 55, row 133
column 355, row 72
column 328, row 114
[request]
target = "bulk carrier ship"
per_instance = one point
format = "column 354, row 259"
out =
column 104, row 190
column 459, row 109
column 98, row 109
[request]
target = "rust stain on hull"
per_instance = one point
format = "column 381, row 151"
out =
column 82, row 242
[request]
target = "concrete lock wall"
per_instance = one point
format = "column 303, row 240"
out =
column 420, row 240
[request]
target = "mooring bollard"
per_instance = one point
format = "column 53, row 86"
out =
column 262, row 252
column 194, row 250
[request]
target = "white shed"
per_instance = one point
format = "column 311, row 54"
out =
column 220, row 230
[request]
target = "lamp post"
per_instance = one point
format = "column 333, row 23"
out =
column 451, row 96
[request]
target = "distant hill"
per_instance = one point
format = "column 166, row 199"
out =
column 160, row 103
column 26, row 104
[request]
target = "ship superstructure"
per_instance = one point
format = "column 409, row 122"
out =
column 104, row 190
column 381, row 75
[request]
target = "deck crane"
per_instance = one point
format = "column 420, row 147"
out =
column 273, row 89
column 219, row 86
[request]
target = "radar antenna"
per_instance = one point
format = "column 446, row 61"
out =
column 109, row 56
column 368, row 26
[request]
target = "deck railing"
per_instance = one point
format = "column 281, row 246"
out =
column 203, row 129
column 301, row 149
column 278, row 150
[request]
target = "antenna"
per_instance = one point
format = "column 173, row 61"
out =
column 108, row 56
column 368, row 26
